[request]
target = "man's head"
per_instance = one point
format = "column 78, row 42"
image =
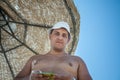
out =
column 60, row 25
column 59, row 35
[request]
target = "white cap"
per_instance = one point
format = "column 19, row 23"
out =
column 61, row 24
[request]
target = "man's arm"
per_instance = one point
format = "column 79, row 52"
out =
column 83, row 73
column 25, row 72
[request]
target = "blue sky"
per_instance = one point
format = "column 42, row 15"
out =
column 99, row 39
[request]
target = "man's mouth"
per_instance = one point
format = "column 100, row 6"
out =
column 59, row 42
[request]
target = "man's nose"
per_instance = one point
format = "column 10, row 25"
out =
column 60, row 37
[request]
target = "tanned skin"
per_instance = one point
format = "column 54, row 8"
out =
column 56, row 61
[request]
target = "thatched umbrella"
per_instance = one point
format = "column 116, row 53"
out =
column 24, row 28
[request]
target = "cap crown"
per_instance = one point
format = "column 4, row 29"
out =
column 61, row 24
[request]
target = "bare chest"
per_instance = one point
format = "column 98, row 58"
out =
column 57, row 65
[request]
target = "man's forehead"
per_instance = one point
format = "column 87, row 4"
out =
column 60, row 30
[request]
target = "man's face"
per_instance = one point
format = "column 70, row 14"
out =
column 59, row 39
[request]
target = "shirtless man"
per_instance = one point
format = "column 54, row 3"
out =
column 56, row 63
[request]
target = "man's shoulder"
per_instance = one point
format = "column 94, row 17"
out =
column 76, row 58
column 36, row 56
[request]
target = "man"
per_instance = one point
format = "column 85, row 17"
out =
column 56, row 64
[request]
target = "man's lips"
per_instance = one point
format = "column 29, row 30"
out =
column 60, row 42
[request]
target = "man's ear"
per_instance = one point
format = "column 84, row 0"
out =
column 68, row 40
column 49, row 36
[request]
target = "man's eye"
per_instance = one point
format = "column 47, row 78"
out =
column 64, row 35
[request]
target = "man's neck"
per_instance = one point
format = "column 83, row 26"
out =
column 59, row 53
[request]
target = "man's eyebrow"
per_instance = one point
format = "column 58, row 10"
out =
column 56, row 31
